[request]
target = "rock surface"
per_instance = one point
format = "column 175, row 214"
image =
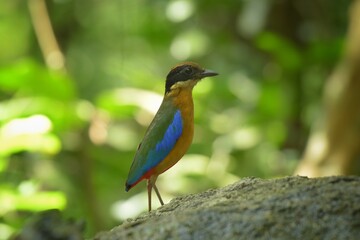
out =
column 284, row 208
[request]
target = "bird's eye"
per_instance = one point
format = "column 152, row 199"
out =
column 188, row 70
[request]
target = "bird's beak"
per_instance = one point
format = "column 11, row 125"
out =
column 208, row 73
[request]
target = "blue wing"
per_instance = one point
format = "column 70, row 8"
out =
column 159, row 140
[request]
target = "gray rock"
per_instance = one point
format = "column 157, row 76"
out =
column 284, row 208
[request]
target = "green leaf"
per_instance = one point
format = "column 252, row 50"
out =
column 28, row 78
column 286, row 53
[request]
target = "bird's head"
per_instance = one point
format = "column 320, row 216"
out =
column 186, row 75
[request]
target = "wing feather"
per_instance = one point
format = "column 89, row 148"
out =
column 160, row 138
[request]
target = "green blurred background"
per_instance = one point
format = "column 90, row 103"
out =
column 68, row 133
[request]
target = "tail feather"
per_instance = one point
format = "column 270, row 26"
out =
column 127, row 187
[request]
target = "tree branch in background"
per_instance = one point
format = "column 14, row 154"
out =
column 55, row 60
column 334, row 145
column 52, row 54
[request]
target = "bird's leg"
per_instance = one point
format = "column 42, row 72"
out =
column 150, row 185
column 149, row 188
column 158, row 194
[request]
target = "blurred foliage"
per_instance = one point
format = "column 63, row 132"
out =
column 67, row 139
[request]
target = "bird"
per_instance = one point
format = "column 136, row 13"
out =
column 170, row 133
